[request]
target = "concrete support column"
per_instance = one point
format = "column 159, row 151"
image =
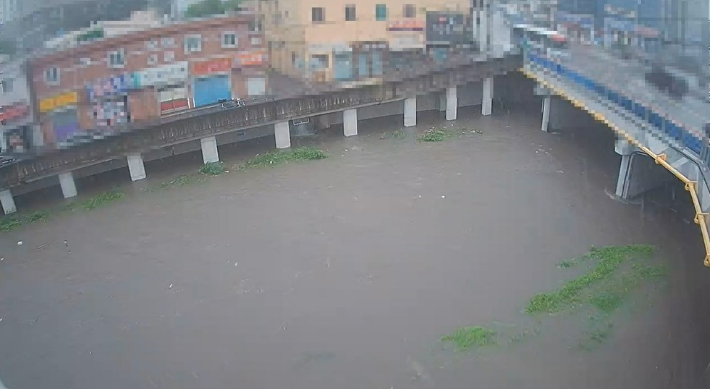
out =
column 410, row 112
column 66, row 181
column 487, row 105
column 8, row 203
column 209, row 149
column 135, row 167
column 625, row 149
column 624, row 177
column 546, row 102
column 452, row 103
column 350, row 122
column 282, row 133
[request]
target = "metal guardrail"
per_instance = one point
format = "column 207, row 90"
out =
column 678, row 133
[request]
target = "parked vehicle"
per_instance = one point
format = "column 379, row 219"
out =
column 662, row 79
column 233, row 103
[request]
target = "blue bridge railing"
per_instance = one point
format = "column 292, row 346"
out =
column 685, row 136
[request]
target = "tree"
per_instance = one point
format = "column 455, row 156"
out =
column 211, row 7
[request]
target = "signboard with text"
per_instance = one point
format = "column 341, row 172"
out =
column 173, row 73
column 58, row 101
column 218, row 65
column 446, row 28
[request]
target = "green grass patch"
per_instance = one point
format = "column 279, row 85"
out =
column 469, row 337
column 212, row 168
column 398, row 134
column 10, row 222
column 436, row 135
column 102, row 199
column 614, row 287
column 278, row 157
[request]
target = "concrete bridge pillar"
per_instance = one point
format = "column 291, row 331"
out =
column 66, row 181
column 626, row 150
column 209, row 150
column 8, row 203
column 452, row 103
column 410, row 112
column 136, row 167
column 487, row 105
column 282, row 132
column 350, row 122
column 546, row 102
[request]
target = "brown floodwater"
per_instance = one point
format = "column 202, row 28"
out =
column 346, row 272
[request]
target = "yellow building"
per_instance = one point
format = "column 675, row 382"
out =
column 342, row 40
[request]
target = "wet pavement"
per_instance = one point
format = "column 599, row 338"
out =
column 627, row 76
column 345, row 272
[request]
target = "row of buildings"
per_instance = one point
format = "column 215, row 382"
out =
column 113, row 75
column 103, row 80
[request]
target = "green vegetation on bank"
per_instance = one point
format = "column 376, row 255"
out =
column 615, row 275
column 212, row 168
column 273, row 158
column 466, row 338
column 612, row 290
column 278, row 157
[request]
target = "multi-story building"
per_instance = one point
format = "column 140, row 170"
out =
column 111, row 82
column 346, row 39
column 17, row 132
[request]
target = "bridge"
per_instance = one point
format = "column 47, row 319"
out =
column 650, row 126
column 204, row 129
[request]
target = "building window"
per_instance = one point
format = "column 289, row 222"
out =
column 193, row 44
column 350, row 14
column 167, row 42
column 381, row 12
column 6, row 86
column 51, row 76
column 255, row 41
column 229, row 39
column 168, row 56
column 116, row 59
column 151, row 44
column 293, row 58
column 410, row 11
column 84, row 61
column 320, row 61
column 318, row 14
column 152, row 59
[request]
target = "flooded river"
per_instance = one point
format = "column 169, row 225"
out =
column 346, row 272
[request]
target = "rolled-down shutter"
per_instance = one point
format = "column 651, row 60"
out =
column 256, row 86
column 211, row 90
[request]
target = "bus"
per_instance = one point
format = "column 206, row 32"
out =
column 541, row 40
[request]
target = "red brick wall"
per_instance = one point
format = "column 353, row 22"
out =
column 75, row 74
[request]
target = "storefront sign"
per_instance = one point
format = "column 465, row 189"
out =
column 58, row 101
column 163, row 75
column 446, row 28
column 251, row 58
column 212, row 66
column 406, row 25
column 406, row 42
column 14, row 112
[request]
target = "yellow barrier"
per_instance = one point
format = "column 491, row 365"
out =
column 701, row 218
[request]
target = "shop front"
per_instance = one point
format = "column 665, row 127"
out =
column 15, row 129
column 407, row 43
column 60, row 113
column 250, row 66
column 170, row 82
column 211, row 81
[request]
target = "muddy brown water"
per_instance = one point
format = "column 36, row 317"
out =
column 344, row 273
